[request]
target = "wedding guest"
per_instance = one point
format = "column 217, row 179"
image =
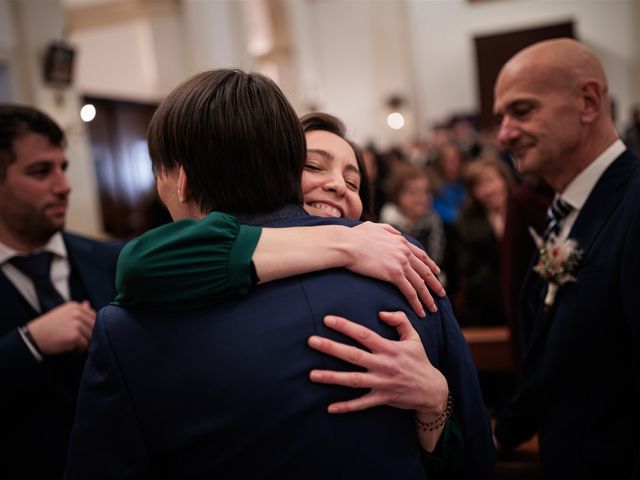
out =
column 480, row 228
column 331, row 187
column 410, row 209
column 448, row 198
column 449, row 192
column 211, row 408
column 51, row 284
column 580, row 329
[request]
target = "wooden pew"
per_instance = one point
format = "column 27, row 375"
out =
column 492, row 353
column 490, row 348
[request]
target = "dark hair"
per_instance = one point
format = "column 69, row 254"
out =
column 237, row 138
column 399, row 177
column 328, row 123
column 18, row 120
column 471, row 174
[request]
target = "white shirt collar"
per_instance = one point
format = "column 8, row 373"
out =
column 55, row 245
column 580, row 188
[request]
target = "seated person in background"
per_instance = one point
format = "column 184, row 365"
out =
column 410, row 209
column 332, row 184
column 449, row 192
column 448, row 197
column 239, row 347
column 480, row 229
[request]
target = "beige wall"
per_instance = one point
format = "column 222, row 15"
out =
column 349, row 56
column 443, row 33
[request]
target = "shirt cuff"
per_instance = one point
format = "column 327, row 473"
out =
column 26, row 338
column 239, row 268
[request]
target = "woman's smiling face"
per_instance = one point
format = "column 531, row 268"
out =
column 331, row 177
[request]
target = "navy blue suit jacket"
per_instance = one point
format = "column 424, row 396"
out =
column 37, row 400
column 223, row 391
column 581, row 364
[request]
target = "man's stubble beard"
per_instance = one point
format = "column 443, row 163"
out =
column 29, row 227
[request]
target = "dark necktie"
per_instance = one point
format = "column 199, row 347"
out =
column 556, row 214
column 37, row 267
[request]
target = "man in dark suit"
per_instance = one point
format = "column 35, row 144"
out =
column 224, row 391
column 581, row 345
column 51, row 283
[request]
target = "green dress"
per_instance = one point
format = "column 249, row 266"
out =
column 190, row 263
column 187, row 264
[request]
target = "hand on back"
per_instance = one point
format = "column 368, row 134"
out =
column 398, row 373
column 382, row 252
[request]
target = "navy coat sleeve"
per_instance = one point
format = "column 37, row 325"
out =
column 20, row 373
column 456, row 364
column 631, row 305
column 106, row 440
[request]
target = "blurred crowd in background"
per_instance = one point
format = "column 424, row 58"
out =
column 459, row 193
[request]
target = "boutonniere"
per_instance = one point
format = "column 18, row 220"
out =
column 558, row 259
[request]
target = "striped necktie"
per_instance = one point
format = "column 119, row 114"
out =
column 556, row 214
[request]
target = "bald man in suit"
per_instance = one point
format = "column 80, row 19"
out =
column 581, row 346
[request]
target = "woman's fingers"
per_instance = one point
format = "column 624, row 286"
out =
column 411, row 295
column 427, row 269
column 433, row 266
column 389, row 228
column 345, row 379
column 361, row 334
column 398, row 372
column 421, row 290
column 392, row 258
column 401, row 323
column 348, row 353
column 361, row 403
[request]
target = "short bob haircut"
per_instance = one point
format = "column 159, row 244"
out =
column 19, row 120
column 237, row 138
column 471, row 175
column 401, row 175
column 328, row 123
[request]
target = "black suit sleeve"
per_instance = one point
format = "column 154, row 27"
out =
column 21, row 374
column 518, row 420
column 106, row 441
column 631, row 305
column 457, row 366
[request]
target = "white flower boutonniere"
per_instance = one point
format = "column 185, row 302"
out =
column 558, row 259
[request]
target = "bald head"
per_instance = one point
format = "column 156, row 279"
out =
column 559, row 63
column 552, row 102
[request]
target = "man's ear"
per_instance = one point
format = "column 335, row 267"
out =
column 591, row 98
column 184, row 191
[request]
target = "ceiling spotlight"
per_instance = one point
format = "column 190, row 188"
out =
column 88, row 112
column 395, row 120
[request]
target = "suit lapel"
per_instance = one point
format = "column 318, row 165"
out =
column 18, row 309
column 89, row 268
column 603, row 200
column 599, row 207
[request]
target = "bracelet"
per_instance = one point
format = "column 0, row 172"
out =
column 438, row 422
